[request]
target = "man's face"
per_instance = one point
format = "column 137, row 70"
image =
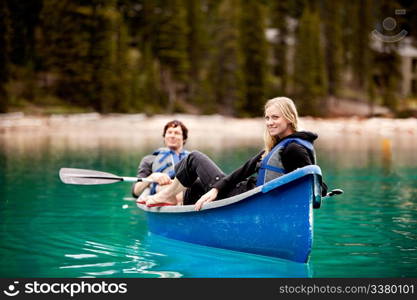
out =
column 173, row 138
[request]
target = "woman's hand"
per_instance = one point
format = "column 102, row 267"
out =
column 160, row 178
column 206, row 198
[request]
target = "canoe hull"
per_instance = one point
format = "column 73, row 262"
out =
column 275, row 221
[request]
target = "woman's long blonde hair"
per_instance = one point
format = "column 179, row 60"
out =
column 288, row 110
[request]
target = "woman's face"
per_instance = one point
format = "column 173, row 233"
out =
column 276, row 124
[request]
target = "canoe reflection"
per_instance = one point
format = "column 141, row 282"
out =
column 191, row 260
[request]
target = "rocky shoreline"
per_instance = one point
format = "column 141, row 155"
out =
column 54, row 124
column 203, row 129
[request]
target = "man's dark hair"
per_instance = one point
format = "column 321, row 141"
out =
column 176, row 123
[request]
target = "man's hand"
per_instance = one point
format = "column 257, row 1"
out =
column 206, row 198
column 160, row 178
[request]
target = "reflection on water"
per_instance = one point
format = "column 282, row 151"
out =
column 386, row 151
column 53, row 230
column 371, row 225
column 199, row 261
column 365, row 150
column 362, row 151
column 155, row 256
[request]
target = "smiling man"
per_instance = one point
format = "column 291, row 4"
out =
column 159, row 166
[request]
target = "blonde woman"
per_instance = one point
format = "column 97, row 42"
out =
column 285, row 150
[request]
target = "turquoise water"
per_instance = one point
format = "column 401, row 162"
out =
column 48, row 229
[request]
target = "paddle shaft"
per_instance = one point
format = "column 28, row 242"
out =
column 125, row 179
column 135, row 179
column 92, row 177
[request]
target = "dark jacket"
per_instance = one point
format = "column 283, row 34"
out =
column 293, row 156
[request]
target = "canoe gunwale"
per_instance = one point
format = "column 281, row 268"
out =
column 283, row 180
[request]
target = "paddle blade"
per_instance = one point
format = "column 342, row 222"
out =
column 86, row 177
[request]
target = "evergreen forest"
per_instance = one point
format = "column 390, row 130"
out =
column 202, row 56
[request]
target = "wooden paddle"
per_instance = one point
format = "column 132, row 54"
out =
column 90, row 177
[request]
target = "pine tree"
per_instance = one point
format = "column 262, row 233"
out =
column 80, row 46
column 361, row 51
column 357, row 57
column 24, row 18
column 390, row 79
column 254, row 48
column 332, row 16
column 122, row 74
column 149, row 96
column 145, row 88
column 65, row 45
column 225, row 75
column 279, row 13
column 309, row 70
column 197, row 50
column 170, row 47
column 4, row 54
column 348, row 31
column 99, row 55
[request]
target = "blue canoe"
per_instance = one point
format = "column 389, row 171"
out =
column 275, row 219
